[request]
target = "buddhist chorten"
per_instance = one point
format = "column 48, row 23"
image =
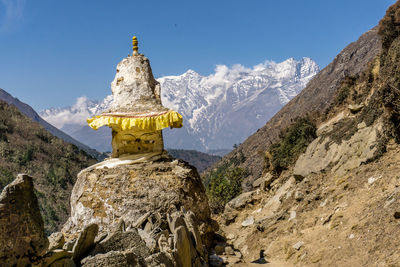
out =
column 136, row 115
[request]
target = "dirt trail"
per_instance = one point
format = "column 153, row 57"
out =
column 348, row 220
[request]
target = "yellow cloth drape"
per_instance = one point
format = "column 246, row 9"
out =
column 153, row 123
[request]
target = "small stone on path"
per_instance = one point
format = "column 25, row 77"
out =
column 298, row 245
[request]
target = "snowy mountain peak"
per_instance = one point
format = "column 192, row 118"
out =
column 220, row 109
column 191, row 72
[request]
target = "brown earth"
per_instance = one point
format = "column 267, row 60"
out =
column 329, row 216
column 349, row 220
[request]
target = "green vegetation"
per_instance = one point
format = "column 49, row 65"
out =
column 26, row 147
column 343, row 130
column 6, row 177
column 389, row 27
column 58, row 176
column 343, row 93
column 291, row 144
column 222, row 187
column 225, row 182
column 26, row 156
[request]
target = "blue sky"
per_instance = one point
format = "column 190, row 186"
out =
column 52, row 52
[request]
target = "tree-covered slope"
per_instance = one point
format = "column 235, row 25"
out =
column 26, row 147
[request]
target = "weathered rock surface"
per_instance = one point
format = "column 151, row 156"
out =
column 114, row 259
column 324, row 153
column 134, row 74
column 22, row 237
column 241, row 200
column 264, row 181
column 56, row 241
column 148, row 214
column 160, row 259
column 178, row 244
column 155, row 240
column 122, row 241
column 182, row 245
column 129, row 192
column 85, row 241
column 53, row 256
column 64, row 262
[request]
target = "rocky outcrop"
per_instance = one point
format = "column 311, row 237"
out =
column 85, row 242
column 22, row 237
column 144, row 214
column 151, row 213
column 114, row 258
column 106, row 195
column 323, row 153
column 154, row 240
column 122, row 241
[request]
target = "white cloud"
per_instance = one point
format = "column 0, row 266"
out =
column 11, row 12
column 77, row 114
column 225, row 76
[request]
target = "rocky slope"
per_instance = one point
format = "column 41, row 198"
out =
column 26, row 147
column 219, row 110
column 324, row 220
column 150, row 213
column 314, row 99
column 335, row 204
column 28, row 111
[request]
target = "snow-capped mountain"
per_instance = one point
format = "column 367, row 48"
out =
column 219, row 110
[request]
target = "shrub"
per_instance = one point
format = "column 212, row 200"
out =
column 389, row 26
column 43, row 135
column 58, row 176
column 26, row 156
column 292, row 143
column 344, row 90
column 223, row 186
column 6, row 177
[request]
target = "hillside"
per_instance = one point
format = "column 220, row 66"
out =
column 314, row 99
column 28, row 111
column 26, row 147
column 195, row 158
column 329, row 192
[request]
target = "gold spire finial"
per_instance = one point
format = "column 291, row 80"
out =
column 135, row 46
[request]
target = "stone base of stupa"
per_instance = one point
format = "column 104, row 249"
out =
column 127, row 189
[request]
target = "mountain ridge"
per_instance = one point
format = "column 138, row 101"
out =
column 212, row 106
column 316, row 97
column 334, row 202
column 31, row 113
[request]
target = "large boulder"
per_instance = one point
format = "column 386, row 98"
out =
column 106, row 194
column 114, row 259
column 85, row 242
column 122, row 241
column 22, row 237
column 323, row 153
